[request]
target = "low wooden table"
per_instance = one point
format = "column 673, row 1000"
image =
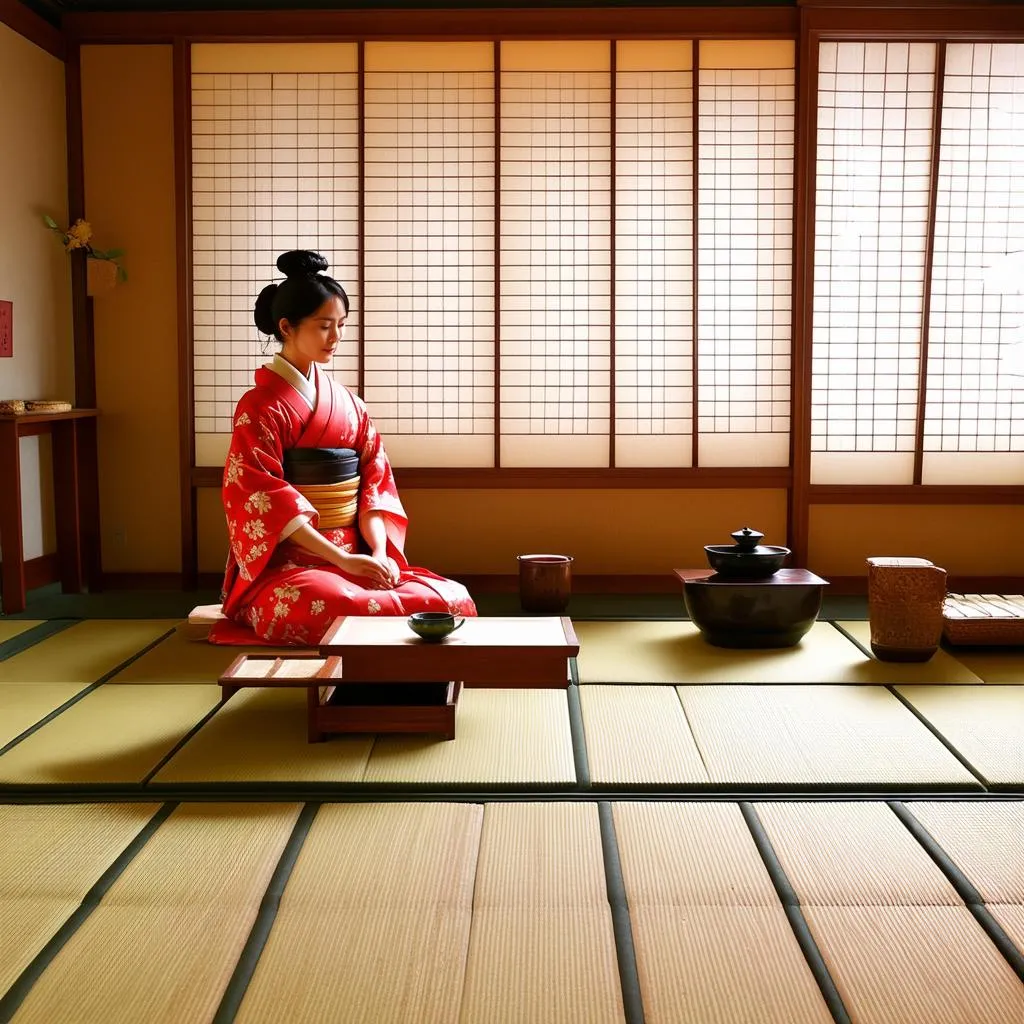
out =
column 752, row 613
column 373, row 674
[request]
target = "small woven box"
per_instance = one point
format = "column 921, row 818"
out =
column 47, row 405
column 11, row 407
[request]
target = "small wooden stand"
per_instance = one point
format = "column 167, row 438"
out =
column 334, row 706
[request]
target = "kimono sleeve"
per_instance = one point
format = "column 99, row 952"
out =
column 377, row 489
column 259, row 503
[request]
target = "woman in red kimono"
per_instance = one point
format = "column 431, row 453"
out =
column 286, row 579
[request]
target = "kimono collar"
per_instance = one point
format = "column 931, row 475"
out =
column 306, row 386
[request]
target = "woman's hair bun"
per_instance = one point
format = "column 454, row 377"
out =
column 263, row 314
column 301, row 263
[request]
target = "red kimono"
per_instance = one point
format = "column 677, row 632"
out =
column 278, row 590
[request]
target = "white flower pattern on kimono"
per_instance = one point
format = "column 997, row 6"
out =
column 267, row 433
column 259, row 501
column 243, row 420
column 317, row 607
column 256, row 552
column 233, row 470
column 295, row 634
column 255, row 529
column 372, row 606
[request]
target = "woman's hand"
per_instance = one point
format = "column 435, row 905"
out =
column 375, row 571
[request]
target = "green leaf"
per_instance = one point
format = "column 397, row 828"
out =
column 50, row 222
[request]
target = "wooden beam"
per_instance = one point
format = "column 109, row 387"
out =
column 182, row 75
column 27, row 23
column 760, row 22
column 911, row 494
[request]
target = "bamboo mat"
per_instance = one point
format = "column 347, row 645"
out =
column 259, row 735
column 162, row 945
column 51, row 857
column 881, row 862
column 941, row 667
column 712, row 940
column 985, row 724
column 501, row 736
column 114, row 734
column 10, row 628
column 820, row 736
column 83, row 653
column 542, row 950
column 374, row 922
column 985, row 840
column 675, row 652
column 915, row 965
column 639, row 735
column 177, row 660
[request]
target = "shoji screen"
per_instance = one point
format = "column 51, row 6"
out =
column 974, row 408
column 745, row 137
column 274, row 167
column 875, row 104
column 429, row 250
column 555, row 253
column 653, row 253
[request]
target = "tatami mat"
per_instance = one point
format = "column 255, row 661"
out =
column 542, row 949
column 83, row 653
column 10, row 628
column 675, row 652
column 639, row 735
column 259, row 735
column 941, row 667
column 915, row 965
column 984, row 840
column 853, row 854
column 21, row 706
column 374, row 922
column 164, row 942
column 51, row 857
column 986, row 725
column 816, row 736
column 712, row 940
column 1011, row 917
column 114, row 734
column 501, row 736
column 1000, row 666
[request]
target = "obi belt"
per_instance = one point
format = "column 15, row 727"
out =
column 328, row 478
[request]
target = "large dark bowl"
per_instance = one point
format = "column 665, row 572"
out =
column 738, row 613
column 763, row 561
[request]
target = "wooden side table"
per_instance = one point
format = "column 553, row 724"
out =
column 75, row 498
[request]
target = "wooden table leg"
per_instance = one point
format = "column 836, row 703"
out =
column 12, row 548
column 89, row 503
column 66, row 505
column 314, row 734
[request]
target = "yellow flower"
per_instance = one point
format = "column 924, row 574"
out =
column 78, row 235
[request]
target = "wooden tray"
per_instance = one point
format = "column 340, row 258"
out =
column 984, row 619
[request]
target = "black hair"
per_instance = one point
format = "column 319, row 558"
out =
column 303, row 291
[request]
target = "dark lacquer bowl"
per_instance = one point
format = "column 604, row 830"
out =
column 434, row 626
column 762, row 562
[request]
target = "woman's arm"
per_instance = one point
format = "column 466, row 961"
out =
column 371, row 526
column 376, row 572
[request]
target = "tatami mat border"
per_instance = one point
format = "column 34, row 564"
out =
column 622, row 926
column 33, row 636
column 964, row 887
column 791, row 904
column 576, row 731
column 85, row 691
column 249, row 958
column 16, row 994
column 933, row 729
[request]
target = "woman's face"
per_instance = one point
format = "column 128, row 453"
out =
column 314, row 339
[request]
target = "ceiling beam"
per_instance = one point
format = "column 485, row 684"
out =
column 35, row 29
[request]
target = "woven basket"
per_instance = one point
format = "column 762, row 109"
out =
column 984, row 619
column 48, row 405
column 11, row 407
